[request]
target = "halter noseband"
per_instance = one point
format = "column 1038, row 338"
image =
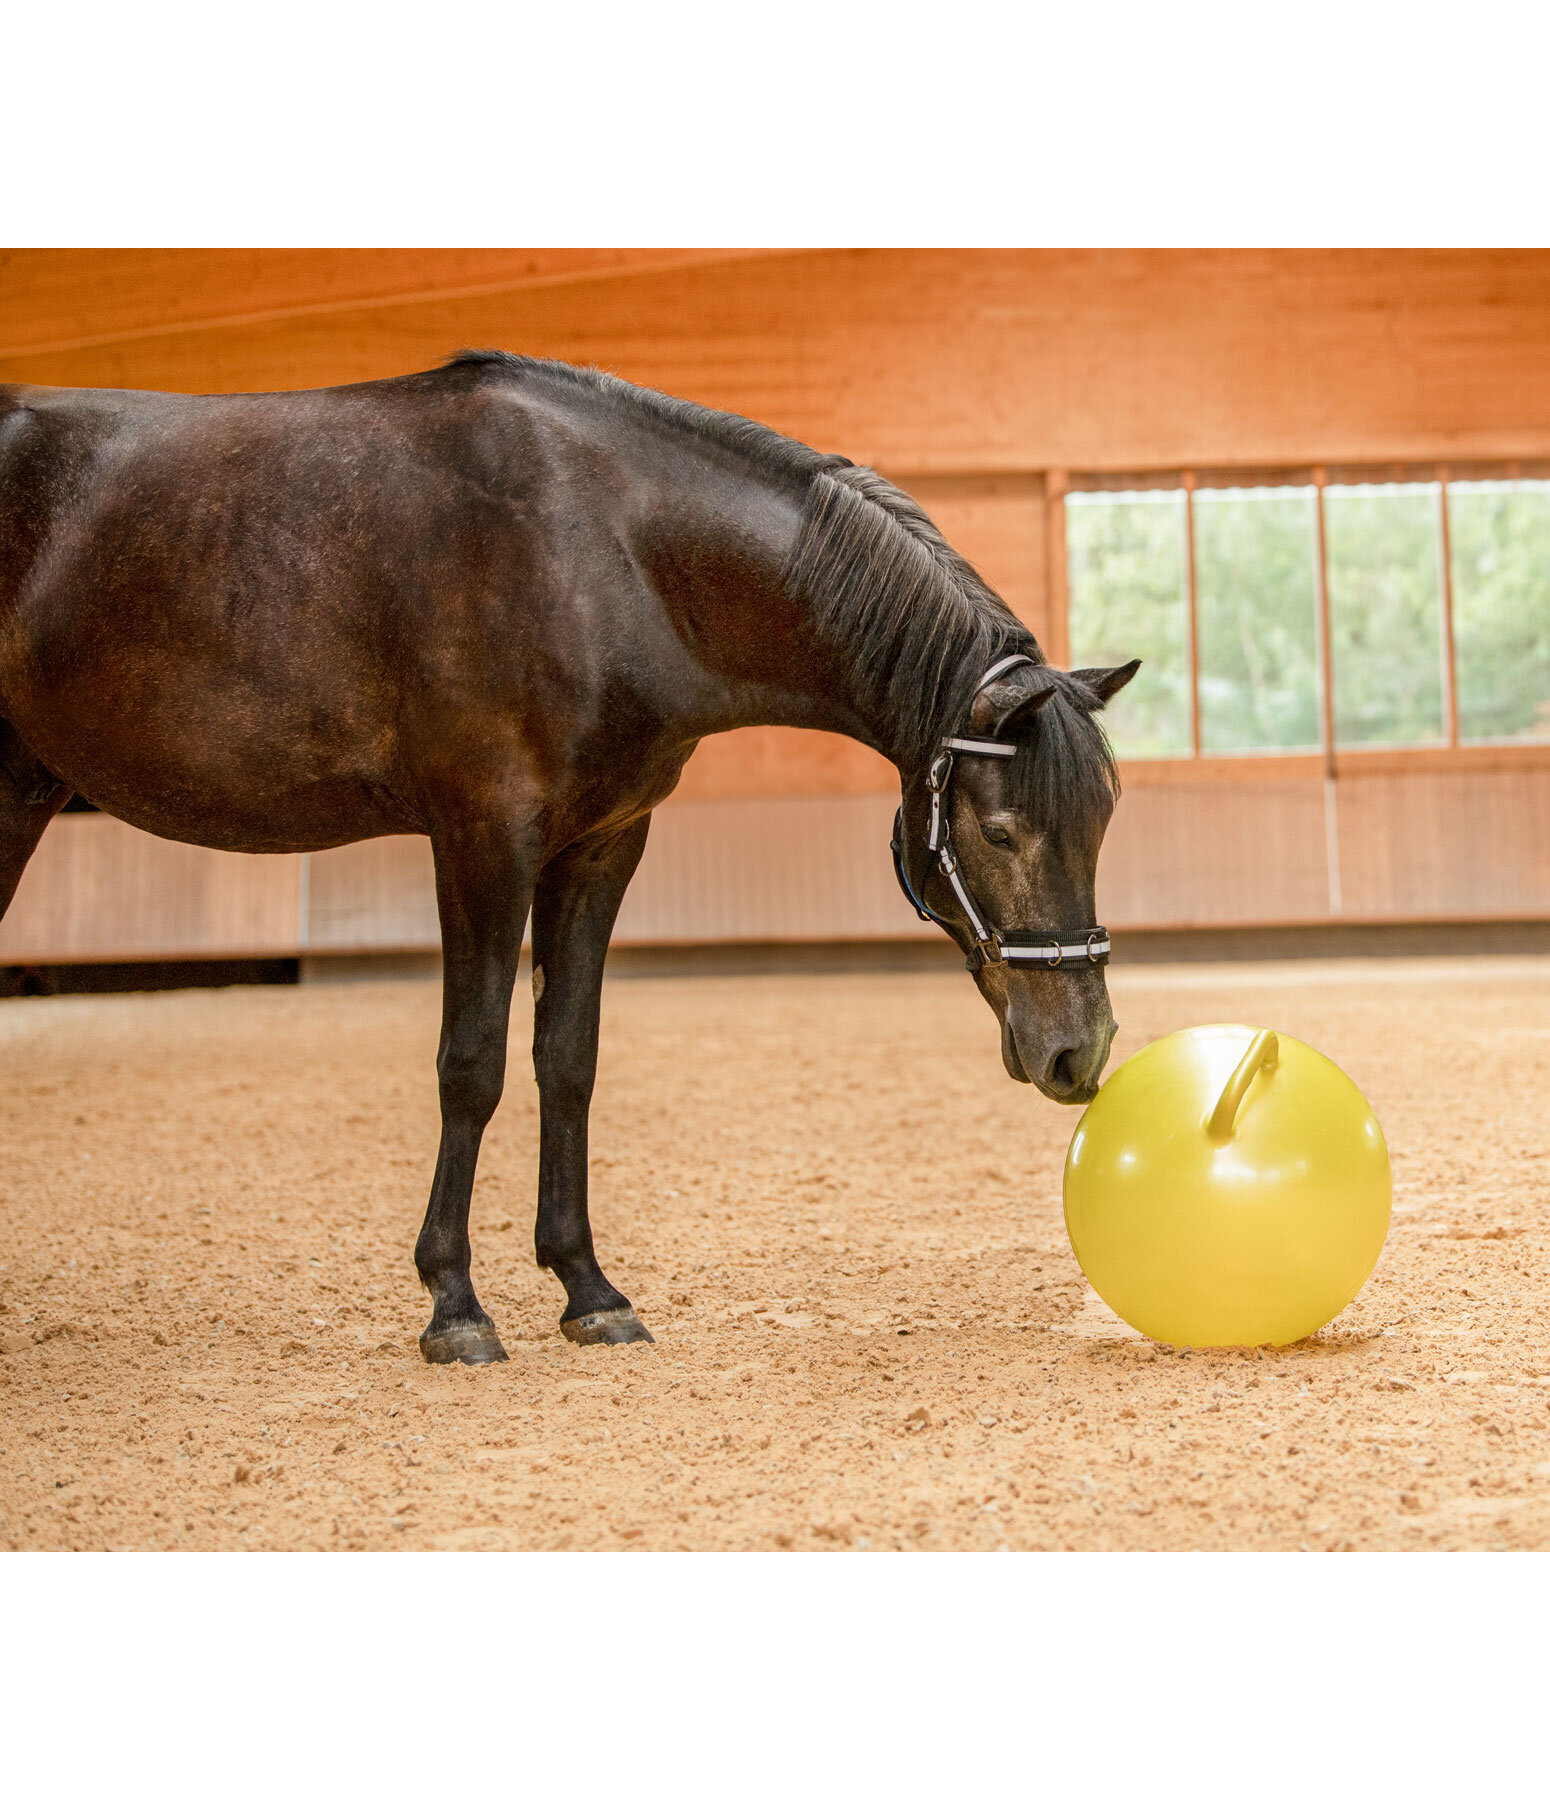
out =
column 1049, row 950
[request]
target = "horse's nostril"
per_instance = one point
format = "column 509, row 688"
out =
column 1064, row 1072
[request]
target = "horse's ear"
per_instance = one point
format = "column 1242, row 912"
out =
column 1104, row 684
column 1005, row 705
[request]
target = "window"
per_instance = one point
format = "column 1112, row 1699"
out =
column 1125, row 557
column 1385, row 613
column 1434, row 594
column 1500, row 532
column 1255, row 555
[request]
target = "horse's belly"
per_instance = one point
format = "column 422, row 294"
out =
column 317, row 819
column 223, row 776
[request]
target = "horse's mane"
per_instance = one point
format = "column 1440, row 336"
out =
column 922, row 626
column 917, row 624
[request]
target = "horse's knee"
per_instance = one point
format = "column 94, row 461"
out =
column 564, row 1088
column 472, row 1079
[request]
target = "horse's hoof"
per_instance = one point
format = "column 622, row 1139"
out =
column 462, row 1343
column 621, row 1327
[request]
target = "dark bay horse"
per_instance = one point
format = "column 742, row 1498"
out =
column 499, row 603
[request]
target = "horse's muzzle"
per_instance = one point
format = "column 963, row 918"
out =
column 1067, row 1072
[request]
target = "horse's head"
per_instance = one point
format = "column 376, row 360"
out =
column 1025, row 831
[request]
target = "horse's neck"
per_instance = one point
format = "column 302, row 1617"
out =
column 716, row 557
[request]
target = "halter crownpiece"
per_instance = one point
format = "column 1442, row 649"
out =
column 1050, row 950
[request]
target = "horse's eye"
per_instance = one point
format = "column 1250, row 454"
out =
column 993, row 834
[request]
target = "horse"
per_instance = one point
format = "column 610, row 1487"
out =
column 499, row 603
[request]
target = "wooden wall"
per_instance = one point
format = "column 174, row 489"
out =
column 976, row 379
column 922, row 362
column 1410, row 848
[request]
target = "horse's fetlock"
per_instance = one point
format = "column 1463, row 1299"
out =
column 440, row 1263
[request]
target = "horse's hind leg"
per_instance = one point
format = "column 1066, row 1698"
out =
column 484, row 885
column 573, row 917
column 29, row 798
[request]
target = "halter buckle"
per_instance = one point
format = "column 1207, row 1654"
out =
column 1093, row 955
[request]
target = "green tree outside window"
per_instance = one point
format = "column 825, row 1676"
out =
column 1256, row 612
column 1125, row 574
column 1385, row 612
column 1257, row 618
column 1500, row 535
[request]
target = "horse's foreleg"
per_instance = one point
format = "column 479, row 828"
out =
column 573, row 917
column 484, row 885
column 29, row 798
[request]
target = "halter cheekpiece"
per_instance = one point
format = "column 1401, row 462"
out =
column 1049, row 950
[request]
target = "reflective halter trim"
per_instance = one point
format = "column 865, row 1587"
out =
column 1094, row 948
column 1050, row 950
column 979, row 746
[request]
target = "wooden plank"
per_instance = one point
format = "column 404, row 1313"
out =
column 1450, row 697
column 762, row 870
column 1216, row 855
column 1186, row 771
column 1475, row 759
column 1325, row 634
column 1191, row 613
column 1452, row 845
column 975, row 362
column 58, row 300
column 769, row 761
column 769, row 871
column 377, row 895
column 97, row 890
column 1217, row 771
column 997, row 522
column 1056, row 585
column 773, row 762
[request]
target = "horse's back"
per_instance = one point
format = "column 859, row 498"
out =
column 214, row 609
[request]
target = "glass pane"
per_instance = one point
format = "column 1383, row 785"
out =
column 1125, row 574
column 1500, row 531
column 1257, row 618
column 1385, row 613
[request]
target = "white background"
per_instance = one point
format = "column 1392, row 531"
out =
column 796, row 124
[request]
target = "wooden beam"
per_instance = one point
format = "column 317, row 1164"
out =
column 1058, row 649
column 1227, row 768
column 1326, row 642
column 1450, row 699
column 1327, row 698
column 1191, row 612
column 54, row 301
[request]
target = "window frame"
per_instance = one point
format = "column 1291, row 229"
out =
column 1370, row 758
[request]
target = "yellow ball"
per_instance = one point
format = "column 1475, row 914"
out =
column 1228, row 1186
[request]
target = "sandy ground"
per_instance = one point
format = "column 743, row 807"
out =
column 840, row 1218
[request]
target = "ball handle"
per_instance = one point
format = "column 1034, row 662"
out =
column 1262, row 1053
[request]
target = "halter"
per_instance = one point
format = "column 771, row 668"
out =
column 1049, row 950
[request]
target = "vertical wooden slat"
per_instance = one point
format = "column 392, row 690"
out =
column 1450, row 701
column 1326, row 639
column 1326, row 694
column 1191, row 612
column 1058, row 649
